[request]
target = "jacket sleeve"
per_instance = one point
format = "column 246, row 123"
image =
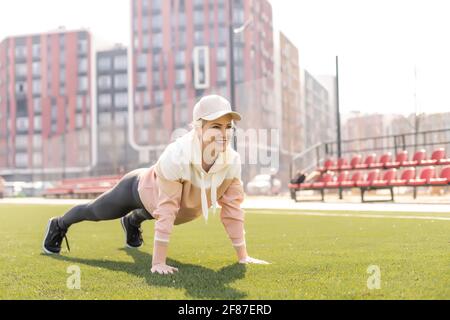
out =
column 170, row 187
column 232, row 215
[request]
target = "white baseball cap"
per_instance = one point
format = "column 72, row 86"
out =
column 213, row 107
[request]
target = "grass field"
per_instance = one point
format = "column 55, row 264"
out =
column 313, row 257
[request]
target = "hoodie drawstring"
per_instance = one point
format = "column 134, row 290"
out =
column 214, row 193
column 204, row 198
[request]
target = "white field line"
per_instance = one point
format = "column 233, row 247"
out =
column 347, row 215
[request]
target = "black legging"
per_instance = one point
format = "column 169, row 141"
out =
column 113, row 204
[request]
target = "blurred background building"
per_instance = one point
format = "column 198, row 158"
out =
column 67, row 103
column 181, row 51
column 45, row 95
column 115, row 154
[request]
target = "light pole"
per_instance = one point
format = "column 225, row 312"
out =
column 231, row 40
column 232, row 32
column 338, row 119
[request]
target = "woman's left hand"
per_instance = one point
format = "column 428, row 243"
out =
column 250, row 260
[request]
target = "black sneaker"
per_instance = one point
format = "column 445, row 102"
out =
column 53, row 238
column 133, row 235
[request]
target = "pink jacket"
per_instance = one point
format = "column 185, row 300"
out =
column 177, row 190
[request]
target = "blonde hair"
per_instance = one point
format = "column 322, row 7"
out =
column 199, row 124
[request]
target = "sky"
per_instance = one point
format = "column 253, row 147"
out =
column 394, row 54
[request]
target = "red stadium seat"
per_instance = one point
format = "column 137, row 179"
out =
column 444, row 161
column 323, row 180
column 352, row 183
column 326, row 166
column 407, row 175
column 418, row 156
column 385, row 158
column 340, row 164
column 306, row 185
column 356, row 159
column 371, row 177
column 369, row 160
column 437, row 155
column 387, row 178
column 444, row 178
column 426, row 175
column 343, row 176
column 402, row 156
column 293, row 186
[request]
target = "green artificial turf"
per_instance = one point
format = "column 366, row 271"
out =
column 312, row 258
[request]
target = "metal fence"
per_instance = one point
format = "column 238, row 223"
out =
column 316, row 155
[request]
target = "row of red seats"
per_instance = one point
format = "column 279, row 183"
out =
column 82, row 187
column 438, row 157
column 374, row 178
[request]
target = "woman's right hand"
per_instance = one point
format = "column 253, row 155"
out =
column 163, row 268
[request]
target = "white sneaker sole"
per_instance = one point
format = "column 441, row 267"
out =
column 126, row 235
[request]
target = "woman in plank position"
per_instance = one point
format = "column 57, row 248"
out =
column 192, row 174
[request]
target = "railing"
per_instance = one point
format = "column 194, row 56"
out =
column 429, row 140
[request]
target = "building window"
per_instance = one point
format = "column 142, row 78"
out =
column 142, row 60
column 104, row 82
column 36, row 89
column 22, row 124
column 141, row 79
column 157, row 40
column 199, row 17
column 37, row 159
column 37, row 141
column 156, row 78
column 121, row 100
column 105, row 100
column 222, row 74
column 198, row 37
column 79, row 121
column 36, row 50
column 105, row 138
column 82, row 46
column 121, row 118
column 121, row 81
column 21, row 159
column 120, row 63
column 222, row 54
column 180, row 58
column 82, row 83
column 37, row 123
column 20, row 52
column 104, row 63
column 158, row 97
column 36, row 68
column 105, row 119
column 21, row 141
column 82, row 65
column 180, row 77
column 80, row 103
column 21, row 88
column 21, row 70
column 223, row 35
column 157, row 22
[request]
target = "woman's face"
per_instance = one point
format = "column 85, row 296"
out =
column 217, row 134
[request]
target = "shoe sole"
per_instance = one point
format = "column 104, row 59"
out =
column 126, row 235
column 45, row 237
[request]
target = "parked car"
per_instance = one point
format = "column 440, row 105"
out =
column 264, row 184
column 26, row 189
